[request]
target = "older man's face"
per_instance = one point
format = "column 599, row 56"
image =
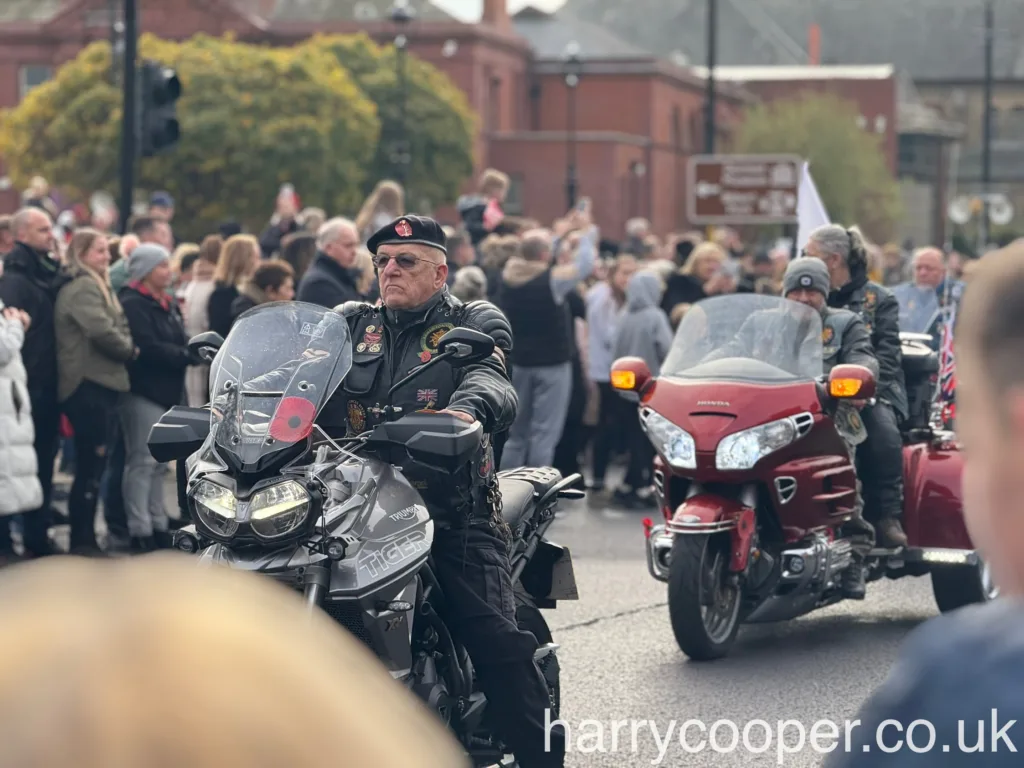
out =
column 929, row 269
column 37, row 231
column 343, row 248
column 409, row 274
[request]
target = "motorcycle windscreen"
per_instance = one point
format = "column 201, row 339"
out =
column 747, row 337
column 278, row 367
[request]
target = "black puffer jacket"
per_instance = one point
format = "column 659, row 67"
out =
column 387, row 346
column 327, row 283
column 158, row 373
column 30, row 282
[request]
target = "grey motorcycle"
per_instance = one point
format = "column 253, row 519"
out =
column 270, row 492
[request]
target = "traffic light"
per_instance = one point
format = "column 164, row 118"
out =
column 160, row 89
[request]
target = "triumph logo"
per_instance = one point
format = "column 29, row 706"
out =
column 405, row 514
column 715, row 403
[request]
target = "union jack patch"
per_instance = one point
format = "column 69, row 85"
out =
column 426, row 395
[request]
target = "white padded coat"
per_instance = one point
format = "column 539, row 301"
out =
column 20, row 490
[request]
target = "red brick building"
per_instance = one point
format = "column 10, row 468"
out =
column 637, row 117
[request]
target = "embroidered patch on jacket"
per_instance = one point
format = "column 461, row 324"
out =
column 431, row 337
column 356, row 416
column 870, row 298
column 827, row 334
column 426, row 395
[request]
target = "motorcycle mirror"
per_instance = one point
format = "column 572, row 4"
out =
column 630, row 374
column 851, row 382
column 206, row 345
column 465, row 346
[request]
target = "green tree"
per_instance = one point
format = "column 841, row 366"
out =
column 848, row 164
column 441, row 124
column 251, row 119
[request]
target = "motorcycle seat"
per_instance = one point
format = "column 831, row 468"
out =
column 517, row 499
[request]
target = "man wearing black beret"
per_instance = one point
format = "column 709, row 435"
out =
column 469, row 551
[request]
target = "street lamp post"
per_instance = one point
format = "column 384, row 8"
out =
column 709, row 97
column 986, row 139
column 129, row 117
column 401, row 155
column 573, row 69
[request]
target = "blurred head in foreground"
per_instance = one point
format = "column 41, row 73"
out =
column 158, row 662
column 990, row 412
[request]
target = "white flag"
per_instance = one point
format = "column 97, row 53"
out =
column 810, row 211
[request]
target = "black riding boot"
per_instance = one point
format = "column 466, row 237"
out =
column 852, row 582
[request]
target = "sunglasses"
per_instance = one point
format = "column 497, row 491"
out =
column 403, row 260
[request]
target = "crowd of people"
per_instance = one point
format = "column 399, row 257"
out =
column 95, row 328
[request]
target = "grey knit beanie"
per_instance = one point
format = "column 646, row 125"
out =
column 806, row 272
column 144, row 259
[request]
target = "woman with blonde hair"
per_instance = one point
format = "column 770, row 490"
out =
column 182, row 261
column 367, row 283
column 704, row 274
column 385, row 204
column 195, row 303
column 238, row 260
column 155, row 661
column 94, row 346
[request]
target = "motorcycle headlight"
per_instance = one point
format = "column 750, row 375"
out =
column 279, row 510
column 673, row 443
column 744, row 449
column 216, row 507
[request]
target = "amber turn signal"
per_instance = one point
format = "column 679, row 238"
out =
column 844, row 387
column 625, row 380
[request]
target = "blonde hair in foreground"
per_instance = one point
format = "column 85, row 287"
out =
column 156, row 662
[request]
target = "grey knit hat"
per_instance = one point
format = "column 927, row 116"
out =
column 806, row 272
column 144, row 259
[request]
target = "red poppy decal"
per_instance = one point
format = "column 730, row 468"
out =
column 293, row 420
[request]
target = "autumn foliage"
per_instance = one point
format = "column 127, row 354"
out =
column 847, row 162
column 252, row 118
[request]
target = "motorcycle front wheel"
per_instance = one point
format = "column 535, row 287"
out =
column 702, row 604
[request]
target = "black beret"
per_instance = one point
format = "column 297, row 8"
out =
column 420, row 230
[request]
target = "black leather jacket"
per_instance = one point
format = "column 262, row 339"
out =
column 387, row 345
column 878, row 308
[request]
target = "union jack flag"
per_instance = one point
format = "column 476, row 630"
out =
column 946, row 394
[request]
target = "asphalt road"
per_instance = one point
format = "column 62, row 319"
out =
column 620, row 661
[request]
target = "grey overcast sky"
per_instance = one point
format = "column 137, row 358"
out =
column 469, row 10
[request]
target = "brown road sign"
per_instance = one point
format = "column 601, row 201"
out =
column 743, row 189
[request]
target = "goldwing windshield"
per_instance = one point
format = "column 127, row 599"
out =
column 278, row 367
column 747, row 337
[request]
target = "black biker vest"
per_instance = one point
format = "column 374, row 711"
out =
column 387, row 346
column 540, row 326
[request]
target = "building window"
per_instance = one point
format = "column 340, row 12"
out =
column 32, row 75
column 494, row 106
column 1013, row 123
column 677, row 130
column 513, row 205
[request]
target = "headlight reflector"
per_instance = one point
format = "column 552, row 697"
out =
column 673, row 443
column 744, row 449
column 217, row 507
column 279, row 510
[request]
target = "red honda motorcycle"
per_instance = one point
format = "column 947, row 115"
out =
column 755, row 479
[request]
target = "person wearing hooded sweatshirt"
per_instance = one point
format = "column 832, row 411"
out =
column 642, row 331
column 157, row 377
column 534, row 297
column 30, row 282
